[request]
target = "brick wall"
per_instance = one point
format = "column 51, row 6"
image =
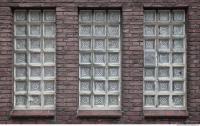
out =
column 67, row 60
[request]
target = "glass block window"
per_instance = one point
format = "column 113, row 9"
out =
column 164, row 59
column 99, row 59
column 34, row 59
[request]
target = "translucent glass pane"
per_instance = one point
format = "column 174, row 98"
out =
column 163, row 58
column 149, row 86
column 99, row 100
column 114, row 16
column 99, row 44
column 99, row 58
column 149, row 30
column 149, row 100
column 48, row 85
column 149, row 58
column 85, row 30
column 49, row 71
column 85, row 86
column 21, row 100
column 163, row 86
column 49, row 30
column 99, row 85
column 178, row 86
column 177, row 58
column 178, row 16
column 35, row 100
column 49, row 15
column 164, row 30
column 178, row 72
column 113, row 72
column 49, row 57
column 163, row 72
column 99, row 30
column 35, row 58
column 20, row 43
column 113, row 44
column 149, row 15
column 113, row 30
column 49, row 43
column 35, row 30
column 35, row 15
column 20, row 71
column 85, row 16
column 178, row 100
column 178, row 44
column 48, row 100
column 113, row 100
column 20, row 30
column 163, row 44
column 113, row 86
column 163, row 100
column 149, row 44
column 20, row 15
column 178, row 30
column 99, row 72
column 85, row 100
column 85, row 72
column 149, row 72
column 35, row 43
column 20, row 58
column 85, row 58
column 35, row 86
column 100, row 15
column 85, row 44
column 21, row 86
column 113, row 58
column 35, row 71
column 163, row 15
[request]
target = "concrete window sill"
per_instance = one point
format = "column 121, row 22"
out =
column 32, row 113
column 165, row 113
column 99, row 113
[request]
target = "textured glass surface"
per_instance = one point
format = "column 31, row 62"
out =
column 149, row 30
column 113, row 100
column 177, row 58
column 85, row 100
column 35, row 30
column 113, row 44
column 113, row 71
column 113, row 86
column 113, row 16
column 49, row 57
column 48, row 85
column 35, row 100
column 85, row 16
column 99, row 30
column 20, row 43
column 20, row 30
column 21, row 86
column 99, row 44
column 164, row 15
column 35, row 15
column 49, row 43
column 149, row 44
column 149, row 58
column 99, row 72
column 85, row 58
column 163, row 44
column 149, row 86
column 49, row 15
column 35, row 71
column 99, row 58
column 85, row 71
column 178, row 100
column 20, row 71
column 20, row 58
column 149, row 72
column 178, row 30
column 20, row 16
column 178, row 16
column 178, row 44
column 163, row 86
column 35, row 57
column 178, row 72
column 85, row 30
column 99, row 100
column 100, row 16
column 164, row 30
column 149, row 100
column 113, row 58
column 49, row 71
column 49, row 30
column 35, row 43
column 163, row 58
column 163, row 100
column 149, row 15
column 21, row 100
column 113, row 30
column 163, row 72
column 85, row 85
column 85, row 44
column 48, row 100
column 35, row 86
column 178, row 86
column 99, row 85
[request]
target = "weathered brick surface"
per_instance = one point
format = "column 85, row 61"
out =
column 132, row 59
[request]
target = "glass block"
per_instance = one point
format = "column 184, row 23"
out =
column 35, row 100
column 178, row 72
column 113, row 71
column 85, row 58
column 99, row 100
column 149, row 72
column 35, row 43
column 149, row 86
column 35, row 71
column 35, row 58
column 113, row 100
column 113, row 57
column 113, row 30
column 163, row 15
column 113, row 44
column 48, row 100
column 21, row 86
column 85, row 16
column 21, row 100
column 178, row 16
column 85, row 30
column 49, row 43
column 149, row 58
column 99, row 58
column 35, row 30
column 149, row 15
column 20, row 71
column 177, row 58
column 113, row 86
column 99, row 72
column 85, row 44
column 164, row 30
column 163, row 58
column 149, row 44
column 163, row 72
column 85, row 86
column 178, row 30
column 99, row 30
column 114, row 16
column 35, row 86
column 178, row 44
column 163, row 100
column 20, row 15
column 20, row 43
column 149, row 100
column 85, row 72
column 100, row 15
column 49, row 58
column 85, row 100
column 178, row 86
column 20, row 30
column 99, row 44
column 49, row 30
column 163, row 44
column 49, row 71
column 20, row 57
column 48, row 85
column 35, row 15
column 178, row 100
column 149, row 30
column 49, row 15
column 163, row 86
column 99, row 85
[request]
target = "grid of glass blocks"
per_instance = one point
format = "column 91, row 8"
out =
column 99, row 59
column 34, row 59
column 164, row 59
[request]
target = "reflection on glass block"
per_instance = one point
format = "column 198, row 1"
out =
column 20, row 43
column 20, row 16
column 36, row 72
column 21, row 86
column 49, row 43
column 163, row 44
column 113, row 30
column 149, row 30
column 49, row 15
column 178, row 44
column 113, row 86
column 149, row 100
column 178, row 86
column 149, row 86
column 85, row 30
column 100, row 15
column 163, row 15
column 178, row 72
column 85, row 58
column 99, row 72
column 20, row 57
column 164, row 30
column 20, row 30
column 178, row 30
column 177, row 58
column 113, row 72
column 163, row 86
column 85, row 85
column 113, row 100
column 163, row 72
column 99, row 85
column 114, row 16
column 35, row 30
column 149, row 44
column 178, row 100
column 99, row 100
column 99, row 58
column 149, row 72
column 163, row 58
column 35, row 85
column 113, row 44
column 49, row 71
column 85, row 71
column 99, row 30
column 48, row 85
column 178, row 16
column 85, row 44
column 21, row 100
column 149, row 58
column 49, row 30
column 149, row 15
column 163, row 100
column 85, row 100
column 35, row 100
column 49, row 57
column 85, row 16
column 48, row 100
column 35, row 58
column 35, row 43
column 35, row 15
column 20, row 71
column 113, row 58
column 99, row 44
